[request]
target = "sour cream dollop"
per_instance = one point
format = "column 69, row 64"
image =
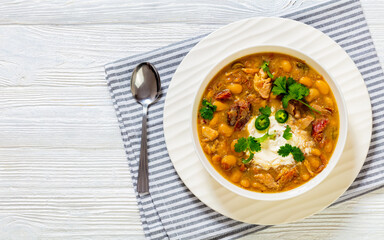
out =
column 268, row 157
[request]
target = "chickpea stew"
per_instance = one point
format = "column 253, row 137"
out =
column 268, row 122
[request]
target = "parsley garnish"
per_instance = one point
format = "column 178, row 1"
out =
column 290, row 89
column 207, row 110
column 241, row 145
column 295, row 151
column 285, row 150
column 287, row 133
column 254, row 145
column 265, row 68
column 297, row 154
column 247, row 144
column 250, row 144
column 265, row 111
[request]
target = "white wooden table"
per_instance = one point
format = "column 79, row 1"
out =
column 63, row 170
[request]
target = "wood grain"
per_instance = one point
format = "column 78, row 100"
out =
column 63, row 170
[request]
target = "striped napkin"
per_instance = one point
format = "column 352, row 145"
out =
column 187, row 217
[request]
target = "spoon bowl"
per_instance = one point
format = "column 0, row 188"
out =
column 145, row 83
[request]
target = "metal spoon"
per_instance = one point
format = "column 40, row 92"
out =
column 145, row 88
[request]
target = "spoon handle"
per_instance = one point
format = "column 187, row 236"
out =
column 142, row 182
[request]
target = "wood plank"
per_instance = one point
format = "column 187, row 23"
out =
column 75, row 55
column 133, row 12
column 167, row 11
column 63, row 171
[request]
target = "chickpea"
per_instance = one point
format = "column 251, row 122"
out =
column 225, row 130
column 220, row 106
column 214, row 120
column 314, row 161
column 216, row 159
column 286, row 65
column 328, row 147
column 222, row 148
column 328, row 101
column 235, row 176
column 313, row 93
column 235, row 88
column 305, row 176
column 316, row 152
column 245, row 183
column 322, row 86
column 259, row 186
column 306, row 81
column 228, row 162
column 210, row 94
column 333, row 122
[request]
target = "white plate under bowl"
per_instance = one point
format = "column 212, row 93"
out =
column 342, row 129
column 246, row 34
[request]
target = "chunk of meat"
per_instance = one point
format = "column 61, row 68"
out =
column 259, row 186
column 209, row 133
column 324, row 162
column 267, row 180
column 262, row 74
column 262, row 85
column 252, row 98
column 308, row 167
column 244, row 114
column 323, row 110
column 293, row 109
column 303, row 123
column 232, row 115
column 210, row 147
column 239, row 114
column 287, row 176
column 318, row 127
column 223, row 95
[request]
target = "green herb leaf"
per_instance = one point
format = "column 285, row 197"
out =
column 290, row 81
column 248, row 144
column 265, row 111
column 206, row 103
column 286, row 99
column 297, row 154
column 285, row 150
column 206, row 113
column 287, row 133
column 291, row 90
column 254, row 145
column 265, row 67
column 246, row 161
column 295, row 151
column 241, row 145
column 207, row 110
column 280, row 86
column 298, row 91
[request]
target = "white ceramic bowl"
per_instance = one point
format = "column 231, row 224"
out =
column 342, row 130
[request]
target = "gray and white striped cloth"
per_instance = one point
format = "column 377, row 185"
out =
column 187, row 217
